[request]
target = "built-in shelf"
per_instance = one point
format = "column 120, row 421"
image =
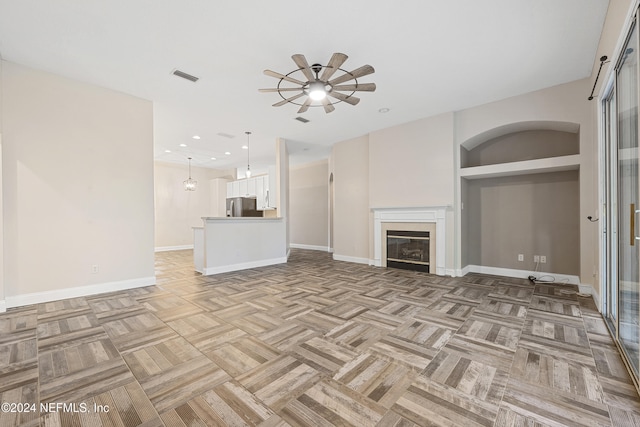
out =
column 546, row 165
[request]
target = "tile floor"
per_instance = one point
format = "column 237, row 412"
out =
column 314, row 342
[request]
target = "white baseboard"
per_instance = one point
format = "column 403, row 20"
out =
column 310, row 247
column 173, row 248
column 3, row 306
column 243, row 266
column 450, row 272
column 357, row 260
column 463, row 271
column 522, row 274
column 80, row 291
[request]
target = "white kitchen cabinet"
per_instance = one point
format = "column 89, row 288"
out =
column 261, row 187
column 260, row 194
column 271, row 188
column 235, row 189
column 243, row 188
column 251, row 187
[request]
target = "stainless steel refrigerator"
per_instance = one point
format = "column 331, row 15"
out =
column 242, row 206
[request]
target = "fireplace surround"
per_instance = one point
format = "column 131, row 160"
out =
column 432, row 219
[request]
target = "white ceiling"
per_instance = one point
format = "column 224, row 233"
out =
column 430, row 57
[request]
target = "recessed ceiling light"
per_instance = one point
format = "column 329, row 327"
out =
column 213, row 158
column 244, row 147
column 227, row 153
column 183, row 145
column 167, row 151
column 196, row 137
column 383, row 110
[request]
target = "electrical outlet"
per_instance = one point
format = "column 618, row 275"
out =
column 520, row 257
column 536, row 258
column 95, row 269
column 543, row 259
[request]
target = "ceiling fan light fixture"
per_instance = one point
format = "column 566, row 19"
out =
column 317, row 91
column 320, row 85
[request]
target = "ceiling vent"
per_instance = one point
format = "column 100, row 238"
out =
column 185, row 76
column 302, row 119
column 226, row 135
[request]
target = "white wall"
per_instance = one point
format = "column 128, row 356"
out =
column 309, row 207
column 78, row 187
column 177, row 210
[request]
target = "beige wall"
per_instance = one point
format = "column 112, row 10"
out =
column 560, row 104
column 412, row 164
column 526, row 214
column 519, row 146
column 177, row 210
column 78, row 184
column 309, row 207
column 350, row 167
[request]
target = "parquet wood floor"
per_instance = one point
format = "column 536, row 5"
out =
column 315, row 342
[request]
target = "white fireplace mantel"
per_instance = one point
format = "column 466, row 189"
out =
column 432, row 214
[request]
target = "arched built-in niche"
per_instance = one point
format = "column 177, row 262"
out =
column 520, row 195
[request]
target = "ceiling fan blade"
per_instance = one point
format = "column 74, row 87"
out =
column 328, row 107
column 358, row 72
column 282, row 89
column 301, row 62
column 334, row 63
column 305, row 106
column 284, row 101
column 283, row 77
column 342, row 97
column 364, row 87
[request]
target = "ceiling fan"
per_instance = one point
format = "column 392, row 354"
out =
column 317, row 87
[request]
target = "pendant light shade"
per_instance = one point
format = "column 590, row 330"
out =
column 190, row 184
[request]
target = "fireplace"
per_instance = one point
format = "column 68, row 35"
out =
column 408, row 250
column 429, row 218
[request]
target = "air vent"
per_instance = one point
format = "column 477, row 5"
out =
column 226, row 135
column 302, row 119
column 185, row 75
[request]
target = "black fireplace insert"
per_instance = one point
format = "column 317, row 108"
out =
column 408, row 250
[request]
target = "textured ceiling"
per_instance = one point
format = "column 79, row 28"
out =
column 430, row 57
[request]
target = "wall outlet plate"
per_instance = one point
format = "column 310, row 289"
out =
column 520, row 257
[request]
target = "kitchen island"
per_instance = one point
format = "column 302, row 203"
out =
column 225, row 244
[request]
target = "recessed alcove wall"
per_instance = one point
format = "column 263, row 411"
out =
column 523, row 213
column 519, row 146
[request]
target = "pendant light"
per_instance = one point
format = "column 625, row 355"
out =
column 190, row 184
column 248, row 167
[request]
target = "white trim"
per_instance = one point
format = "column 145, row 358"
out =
column 463, row 271
column 450, row 272
column 243, row 266
column 3, row 306
column 310, row 247
column 346, row 258
column 79, row 291
column 432, row 214
column 522, row 274
column 173, row 248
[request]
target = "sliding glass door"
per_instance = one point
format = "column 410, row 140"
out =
column 621, row 225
